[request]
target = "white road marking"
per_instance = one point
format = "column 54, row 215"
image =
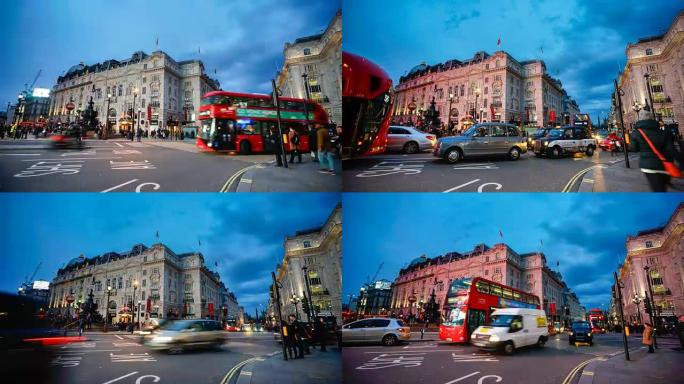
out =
column 155, row 187
column 119, row 378
column 474, row 357
column 456, row 380
column 118, row 165
column 44, row 168
column 126, row 152
column 131, row 358
column 422, row 351
column 153, row 377
column 20, row 154
column 119, row 337
column 79, row 158
column 386, row 168
column 119, row 145
column 497, row 187
column 68, row 361
column 476, row 166
column 461, row 186
column 119, row 186
column 389, row 360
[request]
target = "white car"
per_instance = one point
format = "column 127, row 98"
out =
column 512, row 328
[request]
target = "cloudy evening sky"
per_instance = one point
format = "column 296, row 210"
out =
column 242, row 40
column 585, row 232
column 244, row 233
column 583, row 41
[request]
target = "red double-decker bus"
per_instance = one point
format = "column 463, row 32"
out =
column 470, row 302
column 597, row 320
column 231, row 121
column 366, row 106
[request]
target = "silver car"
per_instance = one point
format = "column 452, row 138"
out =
column 175, row 336
column 409, row 139
column 386, row 331
column 484, row 139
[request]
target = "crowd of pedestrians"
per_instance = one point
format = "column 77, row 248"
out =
column 299, row 338
column 325, row 149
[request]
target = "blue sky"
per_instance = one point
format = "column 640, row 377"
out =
column 585, row 232
column 242, row 40
column 243, row 233
column 583, row 41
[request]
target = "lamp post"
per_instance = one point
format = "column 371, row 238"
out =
column 477, row 95
column 636, row 301
column 451, row 99
column 135, row 133
column 647, row 76
column 106, row 128
column 306, row 92
column 308, row 291
column 294, row 299
column 653, row 315
column 135, row 314
column 109, row 291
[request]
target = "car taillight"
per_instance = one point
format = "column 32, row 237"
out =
column 403, row 330
column 430, row 137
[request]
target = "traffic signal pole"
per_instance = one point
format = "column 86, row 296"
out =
column 283, row 333
column 618, row 288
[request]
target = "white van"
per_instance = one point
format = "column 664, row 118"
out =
column 511, row 328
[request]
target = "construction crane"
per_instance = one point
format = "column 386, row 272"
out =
column 29, row 88
column 372, row 281
column 27, row 285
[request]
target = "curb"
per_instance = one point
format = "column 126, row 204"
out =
column 244, row 375
column 587, row 182
column 586, row 375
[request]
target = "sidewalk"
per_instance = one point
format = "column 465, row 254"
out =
column 297, row 177
column 428, row 336
column 316, row 368
column 618, row 178
column 663, row 366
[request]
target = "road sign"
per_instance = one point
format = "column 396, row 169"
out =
column 70, row 106
column 70, row 299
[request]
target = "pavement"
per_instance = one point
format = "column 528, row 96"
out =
column 152, row 165
column 316, row 368
column 619, row 178
column 663, row 366
column 421, row 172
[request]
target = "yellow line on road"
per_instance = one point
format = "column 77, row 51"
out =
column 571, row 375
column 232, row 371
column 574, row 178
column 231, row 179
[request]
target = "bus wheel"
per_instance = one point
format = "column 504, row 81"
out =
column 509, row 348
column 245, row 147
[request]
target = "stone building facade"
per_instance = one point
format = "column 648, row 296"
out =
column 662, row 251
column 662, row 58
column 528, row 272
column 320, row 58
column 168, row 91
column 165, row 284
column 484, row 88
column 320, row 251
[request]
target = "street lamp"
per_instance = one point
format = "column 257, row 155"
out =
column 294, row 299
column 135, row 286
column 133, row 115
column 636, row 301
column 306, row 92
column 647, row 76
column 451, row 99
column 310, row 309
column 652, row 315
column 477, row 94
column 109, row 291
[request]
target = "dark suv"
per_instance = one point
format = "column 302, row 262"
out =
column 581, row 331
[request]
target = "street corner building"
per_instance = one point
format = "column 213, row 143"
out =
column 494, row 88
column 655, row 62
column 312, row 69
column 425, row 282
column 311, row 267
column 150, row 283
column 654, row 257
column 163, row 93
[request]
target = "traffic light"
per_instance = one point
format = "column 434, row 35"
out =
column 305, row 305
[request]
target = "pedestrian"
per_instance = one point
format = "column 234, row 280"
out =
column 288, row 340
column 647, row 339
column 139, row 134
column 81, row 325
column 274, row 141
column 293, row 137
column 296, row 329
column 657, row 152
column 313, row 146
column 324, row 147
column 320, row 332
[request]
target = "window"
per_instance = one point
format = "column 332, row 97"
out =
column 144, row 283
column 120, row 90
column 144, row 90
column 120, row 282
column 482, row 286
column 315, row 88
column 309, row 68
column 315, row 281
column 495, row 290
column 649, row 51
column 649, row 244
column 507, row 293
column 486, row 272
column 307, row 51
column 307, row 244
column 155, row 270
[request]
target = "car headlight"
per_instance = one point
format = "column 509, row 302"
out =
column 546, row 143
column 572, row 333
column 589, row 334
column 161, row 339
column 493, row 338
